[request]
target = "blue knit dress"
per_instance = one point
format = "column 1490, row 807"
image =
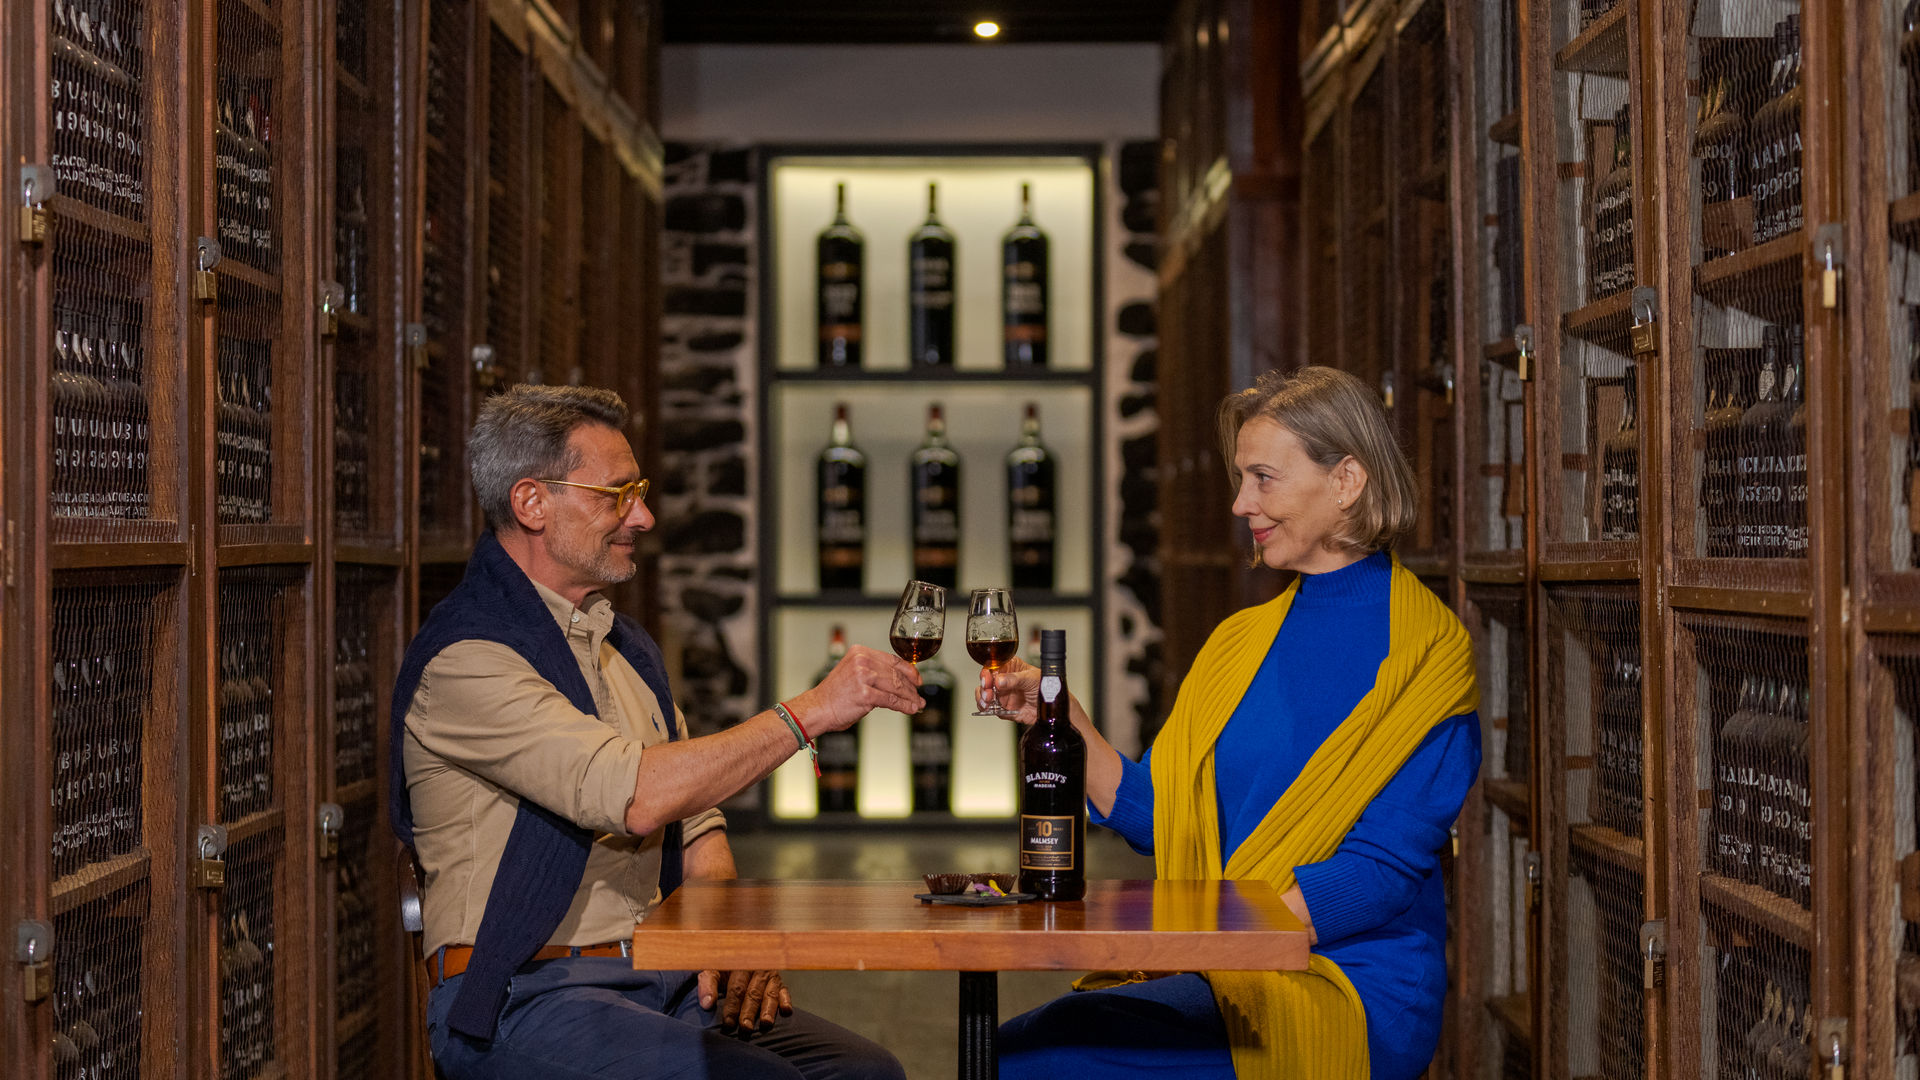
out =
column 1378, row 903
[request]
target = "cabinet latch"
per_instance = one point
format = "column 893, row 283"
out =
column 332, row 296
column 1523, row 346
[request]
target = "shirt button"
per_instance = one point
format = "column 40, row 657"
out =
column 576, row 616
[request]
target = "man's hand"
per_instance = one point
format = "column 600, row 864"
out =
column 748, row 999
column 864, row 680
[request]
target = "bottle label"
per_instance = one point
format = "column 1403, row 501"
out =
column 1049, row 688
column 930, row 749
column 1046, row 842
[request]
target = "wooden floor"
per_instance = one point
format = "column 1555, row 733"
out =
column 911, row 1013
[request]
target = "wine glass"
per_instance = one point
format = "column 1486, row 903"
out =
column 993, row 635
column 919, row 622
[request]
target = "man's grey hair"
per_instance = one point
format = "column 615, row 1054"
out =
column 524, row 433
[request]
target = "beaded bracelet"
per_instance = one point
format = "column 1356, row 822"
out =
column 799, row 733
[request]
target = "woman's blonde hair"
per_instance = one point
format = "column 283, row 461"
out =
column 1335, row 416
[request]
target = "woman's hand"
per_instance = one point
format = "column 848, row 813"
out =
column 1018, row 685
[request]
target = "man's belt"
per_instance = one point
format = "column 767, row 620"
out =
column 452, row 960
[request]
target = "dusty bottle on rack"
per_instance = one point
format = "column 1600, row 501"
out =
column 1053, row 786
column 131, row 431
column 1732, row 853
column 1758, row 533
column 1030, row 507
column 842, row 507
column 936, row 506
column 1794, row 815
column 1720, row 484
column 840, row 277
column 1717, row 142
column 1620, row 470
column 1769, row 738
column 1793, row 449
column 1023, row 294
column 839, row 750
column 1774, row 137
column 1610, row 262
column 930, row 740
column 930, row 290
column 1790, row 216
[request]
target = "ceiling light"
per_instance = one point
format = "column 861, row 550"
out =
column 986, row 28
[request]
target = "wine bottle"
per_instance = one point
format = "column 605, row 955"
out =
column 1769, row 138
column 1620, row 471
column 1719, row 487
column 1730, row 856
column 839, row 751
column 1759, row 494
column 1768, row 751
column 1800, row 774
column 930, row 290
column 842, row 507
column 936, row 506
column 1610, row 260
column 930, row 740
column 1790, row 216
column 1023, row 296
column 1053, row 787
column 840, row 276
column 1030, row 507
column 1793, row 451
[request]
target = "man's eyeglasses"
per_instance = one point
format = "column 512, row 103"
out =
column 624, row 496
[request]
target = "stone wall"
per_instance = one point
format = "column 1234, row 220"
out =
column 706, row 491
column 705, row 494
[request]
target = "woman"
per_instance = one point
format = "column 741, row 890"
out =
column 1322, row 741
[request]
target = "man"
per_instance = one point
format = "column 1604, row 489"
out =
column 544, row 778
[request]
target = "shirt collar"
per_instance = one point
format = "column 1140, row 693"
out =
column 596, row 618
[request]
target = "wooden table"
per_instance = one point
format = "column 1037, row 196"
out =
column 879, row 926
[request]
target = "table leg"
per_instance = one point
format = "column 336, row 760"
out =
column 979, row 1023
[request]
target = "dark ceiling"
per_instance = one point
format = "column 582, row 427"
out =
column 900, row 22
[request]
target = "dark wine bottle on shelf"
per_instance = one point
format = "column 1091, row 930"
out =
column 1767, row 141
column 1030, row 507
column 1610, row 259
column 1791, row 215
column 1800, row 775
column 936, row 506
column 1793, row 450
column 1023, row 297
column 1768, row 741
column 930, row 290
column 842, row 507
column 1731, row 853
column 1620, row 471
column 839, row 750
column 841, row 282
column 1760, row 496
column 930, row 740
column 1720, row 486
column 1053, row 787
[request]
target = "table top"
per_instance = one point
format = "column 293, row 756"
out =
column 879, row 926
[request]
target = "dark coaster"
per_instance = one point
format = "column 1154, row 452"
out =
column 973, row 899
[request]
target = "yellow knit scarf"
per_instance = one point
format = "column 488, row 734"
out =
column 1291, row 1025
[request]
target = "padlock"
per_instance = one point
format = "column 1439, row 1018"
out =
column 1386, row 390
column 1827, row 248
column 206, row 255
column 1645, row 313
column 331, row 296
column 209, row 870
column 1653, row 954
column 36, row 187
column 33, row 948
column 486, row 373
column 33, row 225
column 1446, row 380
column 416, row 343
column 331, row 819
column 1454, row 832
column 1533, row 881
column 1830, row 288
column 1523, row 347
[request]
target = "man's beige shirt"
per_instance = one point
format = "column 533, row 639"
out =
column 485, row 730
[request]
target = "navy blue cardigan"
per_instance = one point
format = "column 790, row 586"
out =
column 546, row 855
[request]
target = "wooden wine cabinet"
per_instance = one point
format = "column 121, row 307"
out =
column 228, row 494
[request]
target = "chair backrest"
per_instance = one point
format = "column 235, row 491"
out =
column 420, row 1064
